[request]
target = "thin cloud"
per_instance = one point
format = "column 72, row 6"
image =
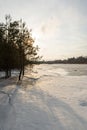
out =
column 50, row 26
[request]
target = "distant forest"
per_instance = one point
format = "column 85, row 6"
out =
column 73, row 60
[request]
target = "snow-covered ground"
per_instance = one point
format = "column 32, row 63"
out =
column 51, row 97
column 13, row 73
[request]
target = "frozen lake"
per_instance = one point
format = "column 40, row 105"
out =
column 51, row 97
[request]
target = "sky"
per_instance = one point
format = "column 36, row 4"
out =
column 59, row 27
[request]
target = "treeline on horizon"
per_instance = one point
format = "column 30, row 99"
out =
column 73, row 60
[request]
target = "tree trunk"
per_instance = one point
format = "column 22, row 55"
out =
column 23, row 62
column 23, row 69
column 7, row 73
column 20, row 74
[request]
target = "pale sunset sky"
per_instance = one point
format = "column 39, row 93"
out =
column 59, row 26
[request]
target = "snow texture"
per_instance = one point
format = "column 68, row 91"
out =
column 51, row 97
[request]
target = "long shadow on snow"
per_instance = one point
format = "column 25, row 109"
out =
column 65, row 117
